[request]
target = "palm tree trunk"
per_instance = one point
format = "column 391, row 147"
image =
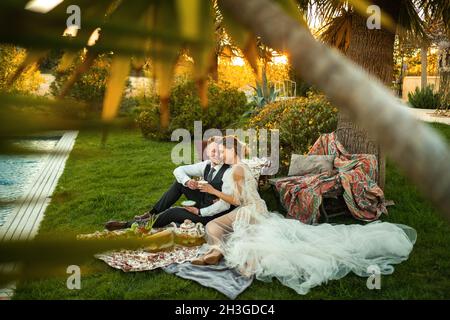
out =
column 214, row 71
column 372, row 49
column 423, row 66
column 444, row 76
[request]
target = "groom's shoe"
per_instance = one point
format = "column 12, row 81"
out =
column 146, row 215
column 116, row 225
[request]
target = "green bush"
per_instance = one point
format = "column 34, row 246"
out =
column 91, row 86
column 11, row 58
column 300, row 121
column 50, row 62
column 148, row 121
column 225, row 107
column 424, row 98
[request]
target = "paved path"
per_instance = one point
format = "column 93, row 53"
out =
column 23, row 223
column 427, row 115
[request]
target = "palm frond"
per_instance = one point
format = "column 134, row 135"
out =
column 437, row 9
column 410, row 24
column 50, row 256
column 338, row 31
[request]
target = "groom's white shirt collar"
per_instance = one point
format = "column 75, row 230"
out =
column 216, row 167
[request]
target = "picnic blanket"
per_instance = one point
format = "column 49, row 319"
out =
column 141, row 260
column 220, row 277
column 177, row 261
column 354, row 173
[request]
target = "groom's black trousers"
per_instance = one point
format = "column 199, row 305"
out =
column 166, row 214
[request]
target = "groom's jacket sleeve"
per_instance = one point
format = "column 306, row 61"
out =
column 220, row 206
column 185, row 173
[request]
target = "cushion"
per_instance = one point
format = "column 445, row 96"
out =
column 310, row 164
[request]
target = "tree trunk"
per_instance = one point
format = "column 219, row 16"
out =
column 215, row 68
column 423, row 66
column 372, row 49
column 444, row 77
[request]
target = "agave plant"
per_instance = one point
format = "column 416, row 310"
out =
column 264, row 95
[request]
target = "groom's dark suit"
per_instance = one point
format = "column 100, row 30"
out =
column 210, row 207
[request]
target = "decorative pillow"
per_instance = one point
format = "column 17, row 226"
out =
column 310, row 164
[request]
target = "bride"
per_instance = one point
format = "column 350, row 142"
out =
column 265, row 244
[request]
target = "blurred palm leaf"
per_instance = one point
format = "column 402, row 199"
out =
column 51, row 255
column 120, row 68
column 190, row 13
column 145, row 29
column 26, row 115
column 203, row 55
column 294, row 10
column 66, row 61
column 165, row 18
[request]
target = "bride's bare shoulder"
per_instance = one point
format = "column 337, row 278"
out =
column 238, row 172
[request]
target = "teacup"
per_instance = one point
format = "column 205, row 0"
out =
column 188, row 203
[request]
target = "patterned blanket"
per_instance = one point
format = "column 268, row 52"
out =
column 141, row 260
column 354, row 173
column 168, row 250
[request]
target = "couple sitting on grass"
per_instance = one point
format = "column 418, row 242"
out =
column 265, row 244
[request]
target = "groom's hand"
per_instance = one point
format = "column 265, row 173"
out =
column 192, row 184
column 193, row 210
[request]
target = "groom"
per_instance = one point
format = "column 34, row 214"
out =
column 206, row 208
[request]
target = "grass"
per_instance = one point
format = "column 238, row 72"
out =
column 130, row 173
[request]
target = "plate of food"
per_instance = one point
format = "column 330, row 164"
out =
column 188, row 203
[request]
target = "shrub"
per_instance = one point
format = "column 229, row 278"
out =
column 91, row 86
column 148, row 122
column 424, row 98
column 300, row 121
column 11, row 58
column 50, row 62
column 225, row 107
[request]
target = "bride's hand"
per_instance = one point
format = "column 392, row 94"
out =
column 207, row 188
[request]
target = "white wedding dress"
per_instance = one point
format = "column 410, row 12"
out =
column 303, row 256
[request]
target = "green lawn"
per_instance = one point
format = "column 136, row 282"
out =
column 127, row 176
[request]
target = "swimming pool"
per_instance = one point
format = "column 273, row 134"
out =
column 18, row 172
